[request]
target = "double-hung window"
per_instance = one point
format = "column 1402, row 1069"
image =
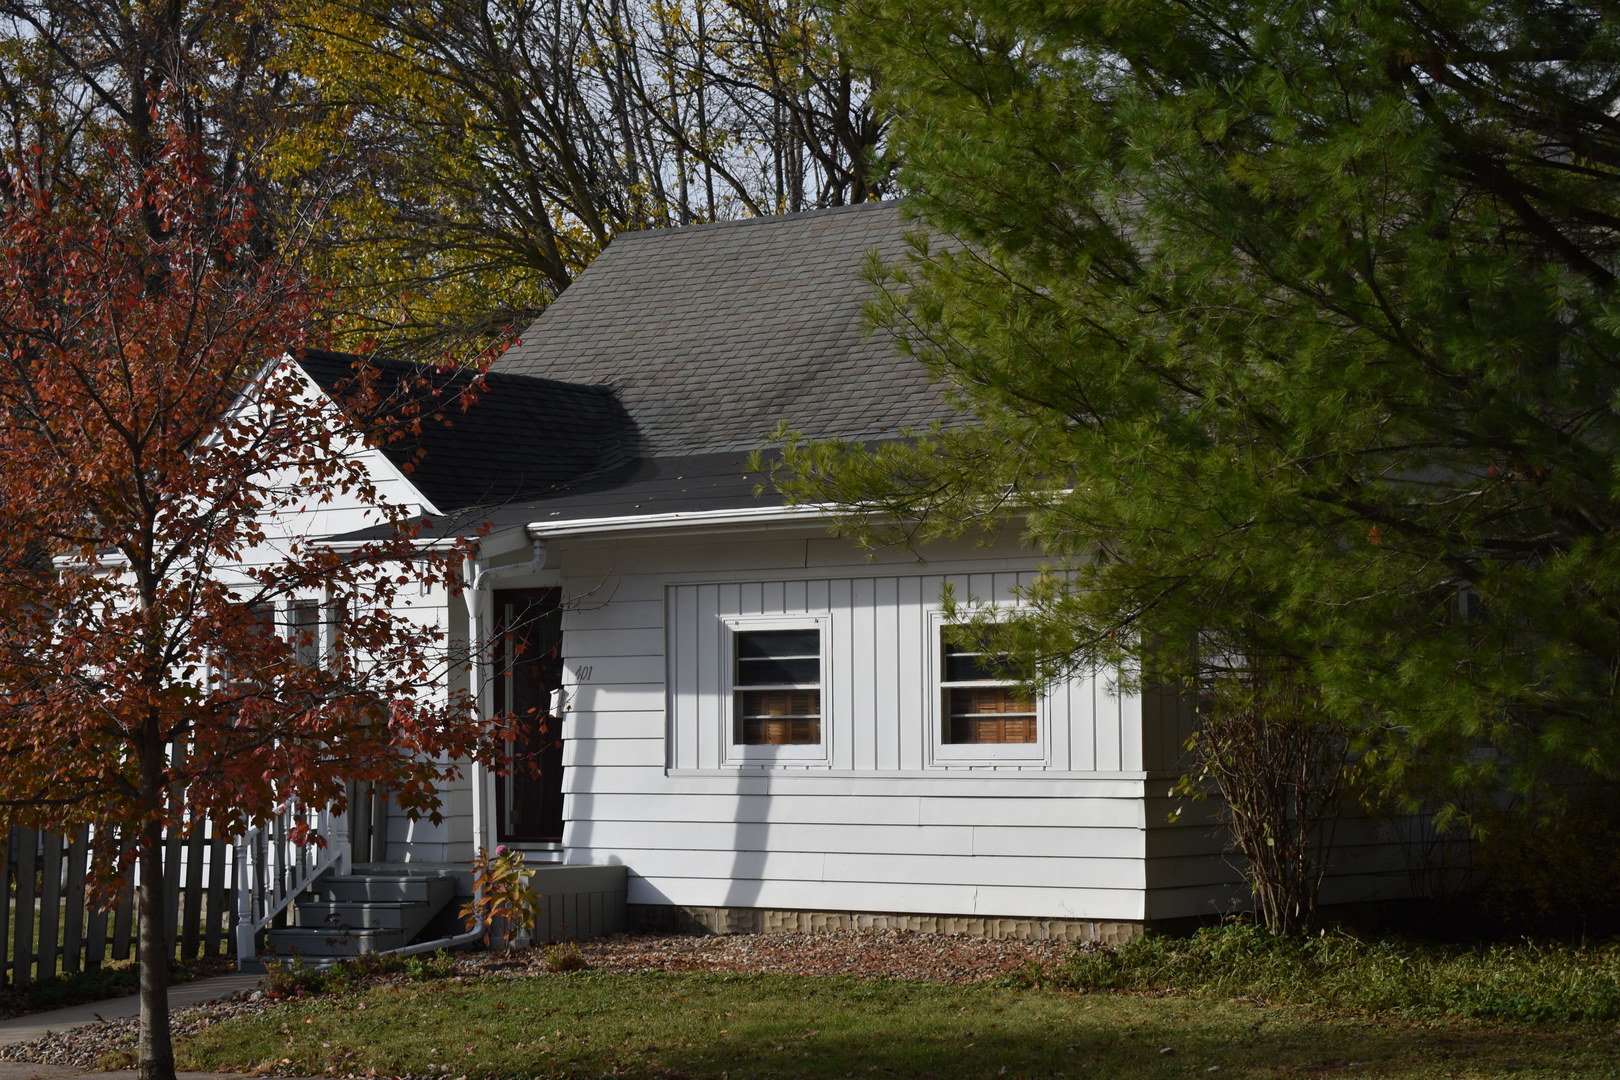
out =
column 303, row 631
column 983, row 712
column 313, row 627
column 778, row 682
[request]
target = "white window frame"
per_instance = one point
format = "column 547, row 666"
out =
column 330, row 617
column 736, row 753
column 942, row 753
column 314, row 652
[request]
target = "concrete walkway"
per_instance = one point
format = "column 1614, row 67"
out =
column 33, row 1026
column 30, row 1027
column 22, row 1070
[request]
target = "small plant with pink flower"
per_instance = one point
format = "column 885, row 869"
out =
column 503, row 901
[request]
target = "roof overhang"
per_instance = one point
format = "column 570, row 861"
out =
column 508, row 539
column 685, row 521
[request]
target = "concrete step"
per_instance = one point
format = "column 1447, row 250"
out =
column 409, row 916
column 433, row 889
column 312, row 943
column 370, row 911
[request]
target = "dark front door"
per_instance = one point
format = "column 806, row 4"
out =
column 528, row 666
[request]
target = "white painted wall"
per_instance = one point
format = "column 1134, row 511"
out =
column 451, row 839
column 1191, row 870
column 884, row 823
column 881, row 822
column 311, row 510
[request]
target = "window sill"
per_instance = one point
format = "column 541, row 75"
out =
column 988, row 754
column 777, row 755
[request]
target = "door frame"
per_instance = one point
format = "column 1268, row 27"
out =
column 536, row 611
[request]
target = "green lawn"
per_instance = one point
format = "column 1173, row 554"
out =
column 731, row 1027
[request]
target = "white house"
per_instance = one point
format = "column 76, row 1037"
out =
column 760, row 722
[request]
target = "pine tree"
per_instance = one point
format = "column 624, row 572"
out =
column 1290, row 331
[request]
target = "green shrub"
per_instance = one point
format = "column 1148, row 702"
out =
column 1335, row 970
column 110, row 979
column 565, row 957
column 1552, row 869
column 296, row 978
column 436, row 965
column 292, row 978
column 115, row 979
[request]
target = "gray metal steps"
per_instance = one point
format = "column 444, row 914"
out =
column 365, row 912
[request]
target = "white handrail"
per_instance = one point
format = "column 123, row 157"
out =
column 271, row 870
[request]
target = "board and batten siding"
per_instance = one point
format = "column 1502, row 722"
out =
column 883, row 823
column 880, row 691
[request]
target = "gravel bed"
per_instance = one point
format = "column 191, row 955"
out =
column 874, row 954
column 84, row 1047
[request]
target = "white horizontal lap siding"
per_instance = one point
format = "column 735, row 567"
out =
column 614, row 661
column 344, row 513
column 1369, row 861
column 429, row 608
column 1203, row 901
column 625, row 711
column 451, row 838
column 593, row 614
column 613, row 753
column 1053, row 844
column 1189, row 870
column 689, row 845
column 883, row 882
column 699, row 801
column 879, row 825
column 949, row 788
column 1193, row 869
column 901, row 898
column 595, row 646
column 818, row 872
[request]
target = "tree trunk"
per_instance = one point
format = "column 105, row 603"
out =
column 155, row 1050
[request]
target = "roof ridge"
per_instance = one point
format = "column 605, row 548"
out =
column 758, row 219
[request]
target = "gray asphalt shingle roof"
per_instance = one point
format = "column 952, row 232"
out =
column 694, row 484
column 641, row 388
column 711, row 335
column 514, row 438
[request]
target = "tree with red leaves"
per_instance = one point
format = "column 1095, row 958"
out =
column 160, row 461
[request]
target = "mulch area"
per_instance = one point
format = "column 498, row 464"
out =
column 873, row 954
column 876, row 954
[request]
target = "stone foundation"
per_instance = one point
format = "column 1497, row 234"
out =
column 738, row 920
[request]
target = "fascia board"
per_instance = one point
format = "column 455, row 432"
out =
column 506, row 541
column 689, row 521
column 515, row 538
column 113, row 561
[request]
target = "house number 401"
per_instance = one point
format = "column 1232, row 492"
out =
column 583, row 673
